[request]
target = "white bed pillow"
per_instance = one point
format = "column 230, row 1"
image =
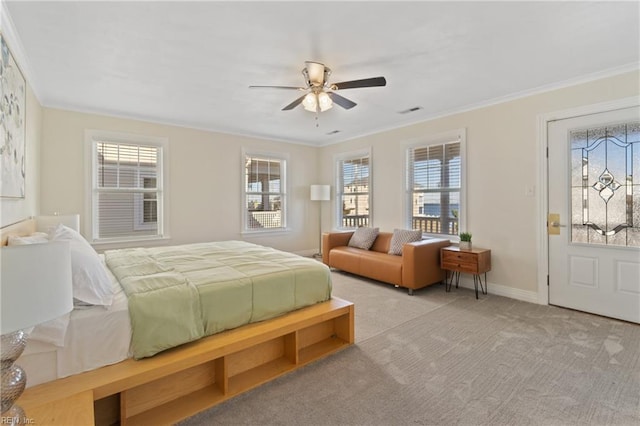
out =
column 91, row 284
column 35, row 238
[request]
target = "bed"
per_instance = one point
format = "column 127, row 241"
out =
column 266, row 312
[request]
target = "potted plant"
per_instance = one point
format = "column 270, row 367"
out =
column 465, row 241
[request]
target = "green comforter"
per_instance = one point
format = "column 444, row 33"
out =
column 181, row 293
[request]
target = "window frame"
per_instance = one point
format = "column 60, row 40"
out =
column 338, row 160
column 458, row 135
column 139, row 223
column 92, row 138
column 283, row 158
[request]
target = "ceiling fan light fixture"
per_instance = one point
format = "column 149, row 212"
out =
column 320, row 95
column 324, row 101
column 315, row 71
column 310, row 102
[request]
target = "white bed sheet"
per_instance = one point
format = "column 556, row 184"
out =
column 96, row 336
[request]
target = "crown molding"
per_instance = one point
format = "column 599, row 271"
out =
column 583, row 79
column 8, row 30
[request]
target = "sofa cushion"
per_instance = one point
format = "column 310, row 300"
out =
column 346, row 259
column 401, row 237
column 363, row 237
column 382, row 267
column 381, row 244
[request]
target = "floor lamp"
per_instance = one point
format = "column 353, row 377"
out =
column 35, row 287
column 320, row 193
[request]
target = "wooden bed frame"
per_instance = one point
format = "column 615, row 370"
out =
column 180, row 382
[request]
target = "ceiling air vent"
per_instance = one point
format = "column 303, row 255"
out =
column 407, row 111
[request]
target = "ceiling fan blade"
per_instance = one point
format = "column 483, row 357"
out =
column 354, row 84
column 277, row 87
column 294, row 104
column 341, row 100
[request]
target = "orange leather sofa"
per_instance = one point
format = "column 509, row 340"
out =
column 418, row 267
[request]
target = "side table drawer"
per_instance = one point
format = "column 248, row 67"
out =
column 452, row 265
column 459, row 257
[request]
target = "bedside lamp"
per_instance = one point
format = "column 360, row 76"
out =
column 320, row 193
column 35, row 287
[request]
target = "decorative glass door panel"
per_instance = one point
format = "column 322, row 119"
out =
column 605, row 185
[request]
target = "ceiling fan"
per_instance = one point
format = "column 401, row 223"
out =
column 321, row 94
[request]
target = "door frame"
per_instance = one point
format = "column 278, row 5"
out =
column 542, row 242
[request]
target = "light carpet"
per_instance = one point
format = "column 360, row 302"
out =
column 440, row 358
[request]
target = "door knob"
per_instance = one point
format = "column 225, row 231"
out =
column 553, row 224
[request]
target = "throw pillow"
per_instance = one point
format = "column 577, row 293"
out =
column 401, row 237
column 363, row 237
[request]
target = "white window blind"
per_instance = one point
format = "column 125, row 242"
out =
column 434, row 187
column 265, row 193
column 354, row 191
column 127, row 190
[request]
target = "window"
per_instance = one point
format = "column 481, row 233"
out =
column 353, row 189
column 605, row 188
column 146, row 205
column 264, row 192
column 127, row 181
column 434, row 185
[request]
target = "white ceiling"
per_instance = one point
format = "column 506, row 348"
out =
column 190, row 64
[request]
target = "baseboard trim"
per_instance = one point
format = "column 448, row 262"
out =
column 466, row 281
column 502, row 290
column 306, row 253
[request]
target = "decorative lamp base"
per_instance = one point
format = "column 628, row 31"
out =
column 14, row 378
column 14, row 416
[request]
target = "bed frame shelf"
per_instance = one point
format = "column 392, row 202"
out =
column 183, row 381
column 179, row 409
column 315, row 351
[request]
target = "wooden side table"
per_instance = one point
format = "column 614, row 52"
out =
column 475, row 261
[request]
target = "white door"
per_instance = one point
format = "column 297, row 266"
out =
column 594, row 189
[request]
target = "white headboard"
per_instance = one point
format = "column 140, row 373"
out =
column 44, row 223
column 40, row 224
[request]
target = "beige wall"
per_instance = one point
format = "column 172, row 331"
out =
column 205, row 178
column 205, row 170
column 502, row 163
column 13, row 210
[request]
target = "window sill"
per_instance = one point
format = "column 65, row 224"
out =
column 453, row 238
column 111, row 243
column 265, row 232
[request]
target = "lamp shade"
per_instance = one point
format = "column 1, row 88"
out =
column 310, row 102
column 320, row 192
column 324, row 101
column 35, row 284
